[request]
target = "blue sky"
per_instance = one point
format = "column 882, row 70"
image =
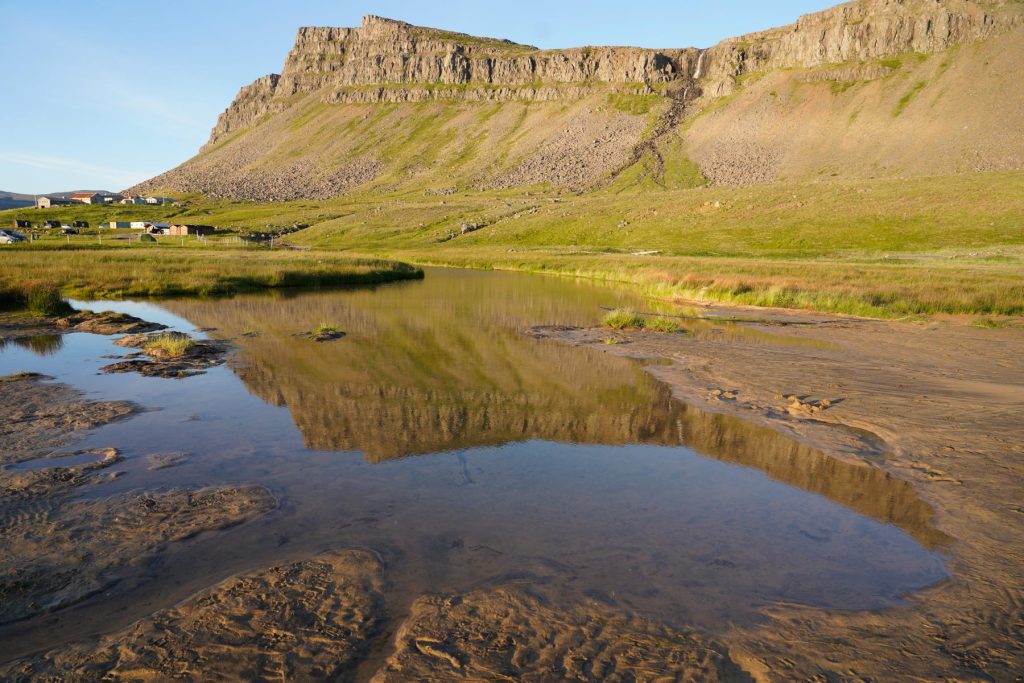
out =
column 102, row 94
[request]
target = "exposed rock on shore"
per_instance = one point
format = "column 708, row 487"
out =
column 193, row 360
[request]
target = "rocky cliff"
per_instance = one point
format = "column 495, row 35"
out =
column 390, row 61
column 486, row 113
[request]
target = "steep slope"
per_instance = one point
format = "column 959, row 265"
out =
column 391, row 107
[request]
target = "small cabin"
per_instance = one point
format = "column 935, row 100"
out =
column 49, row 202
column 192, row 230
column 118, row 225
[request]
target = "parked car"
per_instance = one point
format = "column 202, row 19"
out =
column 11, row 237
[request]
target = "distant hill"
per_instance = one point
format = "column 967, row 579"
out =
column 869, row 88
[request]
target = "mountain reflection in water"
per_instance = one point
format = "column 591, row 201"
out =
column 442, row 365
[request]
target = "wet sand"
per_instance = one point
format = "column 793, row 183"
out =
column 943, row 403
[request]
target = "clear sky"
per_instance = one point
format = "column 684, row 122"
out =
column 105, row 93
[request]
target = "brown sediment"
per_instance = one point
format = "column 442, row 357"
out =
column 512, row 634
column 40, row 416
column 53, row 555
column 944, row 401
column 47, row 481
column 301, row 621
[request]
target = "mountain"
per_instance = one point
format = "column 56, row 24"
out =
column 868, row 88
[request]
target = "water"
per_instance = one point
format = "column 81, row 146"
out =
column 468, row 454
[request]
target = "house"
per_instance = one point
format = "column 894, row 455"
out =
column 22, row 225
column 45, row 202
column 87, row 197
column 118, row 225
column 192, row 230
column 113, row 198
column 158, row 228
column 133, row 200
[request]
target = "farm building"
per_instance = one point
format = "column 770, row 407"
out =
column 48, row 202
column 87, row 197
column 192, row 230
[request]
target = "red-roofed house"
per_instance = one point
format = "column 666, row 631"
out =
column 87, row 198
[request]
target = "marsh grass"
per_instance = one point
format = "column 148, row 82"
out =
column 121, row 272
column 170, row 345
column 623, row 319
column 33, row 297
column 661, row 324
column 326, row 328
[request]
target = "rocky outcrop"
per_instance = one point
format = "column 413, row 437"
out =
column 860, row 31
column 366, row 64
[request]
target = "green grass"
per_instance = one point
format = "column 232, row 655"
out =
column 34, row 297
column 170, row 345
column 634, row 104
column 875, row 247
column 660, row 324
column 624, row 319
column 908, row 97
column 118, row 272
column 326, row 328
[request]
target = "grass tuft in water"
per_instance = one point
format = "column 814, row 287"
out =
column 625, row 319
column 326, row 328
column 170, row 345
column 622, row 319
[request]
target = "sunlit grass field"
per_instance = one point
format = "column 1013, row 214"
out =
column 877, row 247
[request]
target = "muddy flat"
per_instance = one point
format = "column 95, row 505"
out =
column 479, row 482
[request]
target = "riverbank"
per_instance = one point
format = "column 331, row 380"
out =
column 870, row 247
column 167, row 270
column 942, row 405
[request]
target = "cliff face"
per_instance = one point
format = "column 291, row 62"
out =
column 344, row 65
column 860, row 31
column 388, row 105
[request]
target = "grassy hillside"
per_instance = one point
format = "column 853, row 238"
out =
column 945, row 244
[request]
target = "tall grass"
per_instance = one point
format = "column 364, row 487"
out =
column 624, row 319
column 35, row 297
column 120, row 272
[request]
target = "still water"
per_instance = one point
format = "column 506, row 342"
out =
column 467, row 454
